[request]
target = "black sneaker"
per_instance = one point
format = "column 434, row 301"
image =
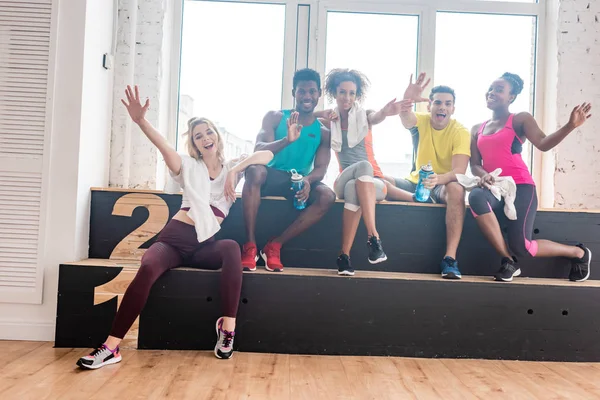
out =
column 376, row 254
column 224, row 346
column 580, row 267
column 344, row 265
column 507, row 271
column 100, row 357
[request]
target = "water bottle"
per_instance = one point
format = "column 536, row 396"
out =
column 297, row 185
column 422, row 193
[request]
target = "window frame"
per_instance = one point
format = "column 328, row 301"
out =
column 314, row 22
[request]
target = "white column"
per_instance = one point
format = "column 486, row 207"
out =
column 143, row 58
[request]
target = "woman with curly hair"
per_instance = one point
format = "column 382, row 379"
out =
column 360, row 183
column 497, row 143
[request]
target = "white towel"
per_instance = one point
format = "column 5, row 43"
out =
column 195, row 182
column 358, row 128
column 503, row 187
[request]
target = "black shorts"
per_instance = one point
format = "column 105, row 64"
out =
column 279, row 183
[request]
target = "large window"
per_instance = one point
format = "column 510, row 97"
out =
column 231, row 68
column 386, row 64
column 483, row 55
column 238, row 58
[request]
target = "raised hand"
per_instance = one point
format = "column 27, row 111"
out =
column 136, row 111
column 580, row 114
column 396, row 107
column 294, row 128
column 414, row 91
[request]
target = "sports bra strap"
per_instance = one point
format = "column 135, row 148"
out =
column 482, row 127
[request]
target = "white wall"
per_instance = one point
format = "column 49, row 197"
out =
column 143, row 59
column 79, row 133
column 577, row 174
column 96, row 113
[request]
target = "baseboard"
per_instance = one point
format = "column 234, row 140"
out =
column 22, row 330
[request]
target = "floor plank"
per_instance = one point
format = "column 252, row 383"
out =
column 543, row 382
column 35, row 370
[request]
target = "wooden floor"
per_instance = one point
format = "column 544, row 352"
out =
column 35, row 370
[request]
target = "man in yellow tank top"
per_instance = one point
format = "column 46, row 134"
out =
column 445, row 143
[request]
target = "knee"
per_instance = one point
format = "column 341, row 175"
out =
column 325, row 197
column 522, row 248
column 455, row 191
column 389, row 181
column 477, row 195
column 350, row 188
column 256, row 175
column 364, row 170
column 519, row 249
column 230, row 253
column 229, row 247
column 478, row 202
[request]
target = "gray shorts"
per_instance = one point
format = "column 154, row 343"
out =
column 435, row 196
column 345, row 184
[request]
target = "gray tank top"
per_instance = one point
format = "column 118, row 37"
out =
column 349, row 156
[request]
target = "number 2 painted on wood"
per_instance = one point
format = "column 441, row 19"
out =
column 129, row 247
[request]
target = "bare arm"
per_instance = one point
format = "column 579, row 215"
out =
column 322, row 157
column 261, row 157
column 459, row 166
column 476, row 165
column 266, row 137
column 525, row 124
column 137, row 112
column 409, row 119
column 172, row 158
column 326, row 116
column 392, row 108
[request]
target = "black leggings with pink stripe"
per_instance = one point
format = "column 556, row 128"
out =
column 519, row 232
column 177, row 246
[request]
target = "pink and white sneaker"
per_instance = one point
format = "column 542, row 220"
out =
column 100, row 357
column 224, row 346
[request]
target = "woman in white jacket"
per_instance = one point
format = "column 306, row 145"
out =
column 208, row 184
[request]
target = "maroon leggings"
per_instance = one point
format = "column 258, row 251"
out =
column 177, row 246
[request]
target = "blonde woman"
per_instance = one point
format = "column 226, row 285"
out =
column 208, row 192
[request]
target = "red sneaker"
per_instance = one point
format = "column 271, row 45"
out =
column 270, row 253
column 249, row 256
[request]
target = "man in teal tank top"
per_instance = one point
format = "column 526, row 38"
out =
column 300, row 154
column 300, row 142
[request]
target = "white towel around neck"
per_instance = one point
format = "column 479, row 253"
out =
column 195, row 181
column 358, row 128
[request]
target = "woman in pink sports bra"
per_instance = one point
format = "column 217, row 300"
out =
column 497, row 143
